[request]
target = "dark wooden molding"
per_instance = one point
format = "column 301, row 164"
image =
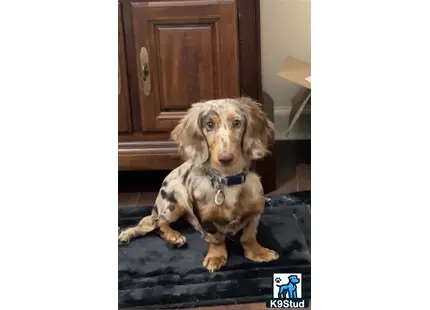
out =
column 142, row 155
column 250, row 76
column 131, row 55
column 250, row 48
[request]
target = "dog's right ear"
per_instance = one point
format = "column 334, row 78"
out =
column 260, row 129
column 189, row 136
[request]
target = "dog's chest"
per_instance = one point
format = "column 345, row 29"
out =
column 227, row 216
column 226, row 198
column 231, row 197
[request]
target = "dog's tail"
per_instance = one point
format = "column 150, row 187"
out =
column 146, row 225
column 279, row 285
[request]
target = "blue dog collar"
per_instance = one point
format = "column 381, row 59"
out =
column 235, row 179
column 229, row 180
column 219, row 182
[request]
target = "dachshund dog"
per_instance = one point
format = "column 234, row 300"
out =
column 214, row 188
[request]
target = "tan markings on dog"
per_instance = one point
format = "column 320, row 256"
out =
column 231, row 116
column 216, row 257
column 171, row 236
column 223, row 214
column 252, row 202
column 215, row 119
column 218, row 238
column 252, row 249
column 226, row 220
column 230, row 219
column 215, row 145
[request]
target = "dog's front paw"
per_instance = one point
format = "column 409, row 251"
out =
column 124, row 237
column 214, row 263
column 260, row 254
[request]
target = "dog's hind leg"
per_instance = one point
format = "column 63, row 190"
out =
column 171, row 215
column 146, row 225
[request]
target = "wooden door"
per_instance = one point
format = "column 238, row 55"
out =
column 124, row 111
column 183, row 52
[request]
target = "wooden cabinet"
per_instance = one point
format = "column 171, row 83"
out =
column 172, row 54
column 124, row 110
column 186, row 52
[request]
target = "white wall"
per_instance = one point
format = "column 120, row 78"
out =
column 285, row 31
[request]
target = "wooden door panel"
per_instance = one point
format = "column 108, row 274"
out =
column 188, row 59
column 187, row 64
column 124, row 111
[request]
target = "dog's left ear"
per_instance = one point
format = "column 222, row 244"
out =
column 260, row 130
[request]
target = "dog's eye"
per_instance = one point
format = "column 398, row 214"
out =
column 210, row 125
column 236, row 123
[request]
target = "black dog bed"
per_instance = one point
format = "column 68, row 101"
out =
column 153, row 276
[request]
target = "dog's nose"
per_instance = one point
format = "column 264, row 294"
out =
column 226, row 159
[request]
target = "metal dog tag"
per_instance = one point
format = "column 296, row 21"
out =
column 219, row 197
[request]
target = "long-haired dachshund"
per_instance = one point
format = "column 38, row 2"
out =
column 214, row 188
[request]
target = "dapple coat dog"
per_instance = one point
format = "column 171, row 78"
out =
column 214, row 188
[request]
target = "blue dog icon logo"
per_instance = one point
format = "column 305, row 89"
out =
column 288, row 290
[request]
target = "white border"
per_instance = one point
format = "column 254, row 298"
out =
column 58, row 118
column 370, row 154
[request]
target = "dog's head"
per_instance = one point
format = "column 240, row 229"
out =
column 293, row 279
column 225, row 133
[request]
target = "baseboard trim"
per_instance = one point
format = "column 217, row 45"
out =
column 285, row 110
column 281, row 116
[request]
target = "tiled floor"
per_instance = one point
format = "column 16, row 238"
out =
column 293, row 162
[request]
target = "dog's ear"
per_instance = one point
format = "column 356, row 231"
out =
column 260, row 130
column 189, row 136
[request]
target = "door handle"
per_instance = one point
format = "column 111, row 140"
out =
column 145, row 72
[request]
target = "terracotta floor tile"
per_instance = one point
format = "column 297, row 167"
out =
column 147, row 198
column 127, row 199
column 286, row 161
column 225, row 307
column 245, row 306
column 257, row 306
column 304, row 177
